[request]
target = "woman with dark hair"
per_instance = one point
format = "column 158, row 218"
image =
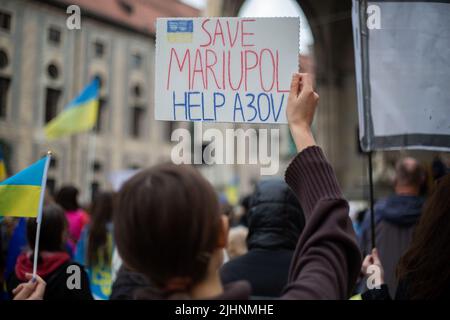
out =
column 95, row 247
column 168, row 226
column 54, row 263
column 67, row 198
column 424, row 270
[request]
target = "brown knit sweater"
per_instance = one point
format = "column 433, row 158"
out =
column 327, row 260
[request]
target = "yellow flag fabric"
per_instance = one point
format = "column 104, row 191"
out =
column 22, row 194
column 74, row 120
column 79, row 115
column 2, row 170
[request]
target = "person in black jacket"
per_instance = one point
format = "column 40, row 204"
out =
column 275, row 221
column 65, row 279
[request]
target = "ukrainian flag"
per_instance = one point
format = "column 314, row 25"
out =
column 22, row 195
column 232, row 194
column 78, row 116
column 180, row 31
column 3, row 174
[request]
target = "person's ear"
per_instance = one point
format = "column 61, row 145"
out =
column 223, row 232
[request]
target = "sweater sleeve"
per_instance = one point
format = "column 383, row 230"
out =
column 327, row 259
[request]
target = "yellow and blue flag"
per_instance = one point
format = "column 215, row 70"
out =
column 180, row 31
column 232, row 191
column 22, row 195
column 232, row 194
column 3, row 174
column 78, row 116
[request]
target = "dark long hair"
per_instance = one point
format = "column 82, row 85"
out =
column 98, row 250
column 425, row 266
column 67, row 197
column 167, row 225
column 53, row 226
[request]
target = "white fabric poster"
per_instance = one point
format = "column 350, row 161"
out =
column 403, row 74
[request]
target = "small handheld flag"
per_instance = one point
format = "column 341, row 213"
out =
column 78, row 116
column 22, row 195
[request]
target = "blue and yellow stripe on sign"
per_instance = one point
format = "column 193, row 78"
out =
column 22, row 194
column 180, row 31
column 78, row 116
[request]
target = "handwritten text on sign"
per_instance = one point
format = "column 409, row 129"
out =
column 225, row 69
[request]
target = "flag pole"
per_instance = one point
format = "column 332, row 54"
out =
column 39, row 217
column 36, row 249
column 90, row 160
column 371, row 200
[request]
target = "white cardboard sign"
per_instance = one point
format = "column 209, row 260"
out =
column 225, row 69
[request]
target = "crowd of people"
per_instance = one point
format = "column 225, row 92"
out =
column 166, row 234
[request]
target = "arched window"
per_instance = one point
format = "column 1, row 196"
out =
column 137, row 91
column 4, row 60
column 99, row 49
column 4, row 84
column 54, row 35
column 100, row 80
column 136, row 60
column 53, row 71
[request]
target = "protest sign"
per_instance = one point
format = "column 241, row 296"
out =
column 225, row 69
column 402, row 74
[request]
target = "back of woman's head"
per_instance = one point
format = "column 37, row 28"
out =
column 67, row 197
column 101, row 215
column 167, row 224
column 53, row 227
column 425, row 265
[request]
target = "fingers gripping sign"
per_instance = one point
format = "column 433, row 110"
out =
column 301, row 107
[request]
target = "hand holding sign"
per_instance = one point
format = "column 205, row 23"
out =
column 301, row 106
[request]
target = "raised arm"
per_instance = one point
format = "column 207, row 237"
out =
column 327, row 259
